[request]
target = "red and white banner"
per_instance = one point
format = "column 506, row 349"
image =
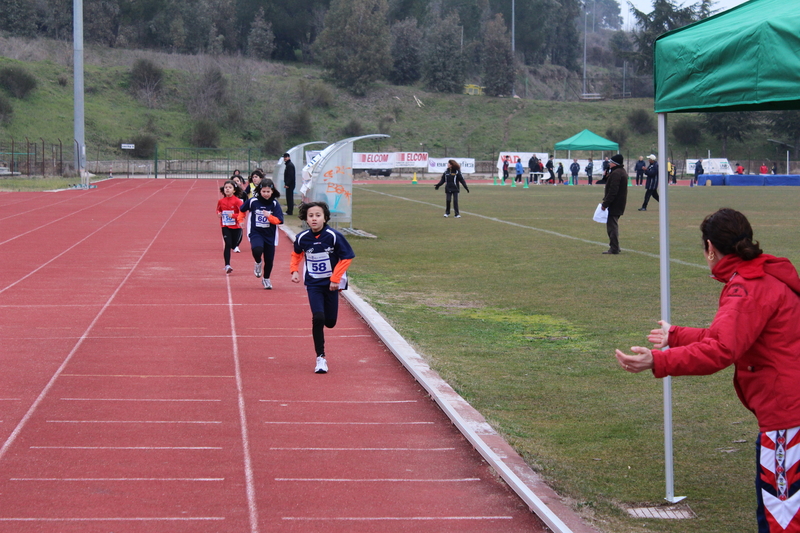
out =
column 380, row 160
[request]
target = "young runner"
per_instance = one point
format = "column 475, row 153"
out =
column 242, row 195
column 327, row 256
column 255, row 178
column 265, row 217
column 229, row 218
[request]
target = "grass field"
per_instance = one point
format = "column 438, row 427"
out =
column 517, row 308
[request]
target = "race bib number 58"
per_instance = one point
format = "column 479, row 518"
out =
column 319, row 265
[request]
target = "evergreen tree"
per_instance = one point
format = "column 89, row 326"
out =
column 17, row 17
column 786, row 125
column 666, row 16
column 728, row 126
column 443, row 64
column 406, row 52
column 354, row 47
column 497, row 60
column 261, row 40
column 563, row 43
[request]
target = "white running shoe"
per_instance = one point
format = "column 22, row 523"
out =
column 237, row 250
column 322, row 365
column 458, row 216
column 228, row 269
column 446, row 215
column 266, row 283
column 257, row 270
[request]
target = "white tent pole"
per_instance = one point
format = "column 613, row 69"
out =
column 663, row 224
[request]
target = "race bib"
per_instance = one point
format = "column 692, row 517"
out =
column 262, row 220
column 227, row 218
column 318, row 265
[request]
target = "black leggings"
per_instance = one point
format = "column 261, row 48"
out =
column 269, row 256
column 447, row 196
column 231, row 236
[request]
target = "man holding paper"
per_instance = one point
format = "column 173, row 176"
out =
column 616, row 196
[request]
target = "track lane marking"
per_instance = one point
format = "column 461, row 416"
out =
column 133, row 400
column 353, row 423
column 45, row 206
column 364, row 449
column 117, row 479
column 377, row 480
column 126, row 448
column 60, row 370
column 392, row 518
column 116, row 519
column 340, row 401
column 133, row 421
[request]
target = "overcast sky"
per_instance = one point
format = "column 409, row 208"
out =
column 647, row 6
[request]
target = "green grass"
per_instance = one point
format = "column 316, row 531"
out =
column 36, row 183
column 524, row 323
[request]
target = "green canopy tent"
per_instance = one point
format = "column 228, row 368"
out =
column 586, row 140
column 743, row 59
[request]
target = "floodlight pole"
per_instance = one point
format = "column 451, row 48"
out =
column 663, row 242
column 78, row 124
column 514, row 46
column 585, row 19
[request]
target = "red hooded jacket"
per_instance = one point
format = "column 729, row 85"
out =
column 757, row 329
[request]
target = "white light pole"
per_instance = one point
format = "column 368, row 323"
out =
column 513, row 46
column 78, row 126
column 585, row 20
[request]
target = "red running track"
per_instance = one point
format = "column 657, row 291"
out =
column 143, row 390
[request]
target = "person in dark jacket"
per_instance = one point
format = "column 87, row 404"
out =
column 574, row 168
column 289, row 182
column 532, row 163
column 754, row 331
column 614, row 200
column 698, row 170
column 639, row 168
column 589, row 169
column 450, row 179
column 651, row 186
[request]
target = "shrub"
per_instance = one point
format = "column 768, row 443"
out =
column 146, row 76
column 62, row 80
column 315, row 94
column 205, row 134
column 687, row 131
column 17, row 81
column 297, row 123
column 275, row 144
column 618, row 134
column 641, row 121
column 6, row 110
column 353, row 129
column 145, row 146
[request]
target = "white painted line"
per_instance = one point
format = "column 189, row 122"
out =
column 134, row 421
column 59, row 371
column 32, row 272
column 547, row 231
column 126, row 447
column 135, row 400
column 10, row 399
column 378, row 480
column 340, row 401
column 392, row 518
column 117, row 479
column 248, row 463
column 366, row 449
column 352, row 423
column 140, row 376
column 117, row 519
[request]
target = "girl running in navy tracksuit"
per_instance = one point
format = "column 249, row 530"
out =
column 327, row 256
column 265, row 217
column 229, row 218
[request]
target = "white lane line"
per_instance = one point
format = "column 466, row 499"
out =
column 10, row 399
column 47, row 205
column 378, row 480
column 340, row 401
column 365, row 449
column 352, row 423
column 32, row 272
column 133, row 421
column 32, row 409
column 541, row 230
column 248, row 463
column 117, row 479
column 139, row 376
column 117, row 519
column 135, row 400
column 392, row 518
column 126, row 447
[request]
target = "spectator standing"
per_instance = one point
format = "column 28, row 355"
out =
column 614, row 200
column 698, row 170
column 764, row 169
column 589, row 168
column 574, row 168
column 519, row 169
column 755, row 331
column 289, row 182
column 606, row 167
column 549, row 167
column 531, row 167
column 505, row 168
column 450, row 179
column 774, row 168
column 651, row 186
column 739, row 169
column 560, row 172
column 639, row 168
column 670, row 171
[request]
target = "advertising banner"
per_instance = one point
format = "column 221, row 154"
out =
column 383, row 160
column 710, row 166
column 523, row 156
column 439, row 164
column 411, row 159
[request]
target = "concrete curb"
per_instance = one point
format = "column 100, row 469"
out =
column 539, row 497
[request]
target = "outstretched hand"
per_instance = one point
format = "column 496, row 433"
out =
column 639, row 361
column 660, row 337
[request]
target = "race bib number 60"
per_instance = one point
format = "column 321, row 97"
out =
column 319, row 265
column 261, row 218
